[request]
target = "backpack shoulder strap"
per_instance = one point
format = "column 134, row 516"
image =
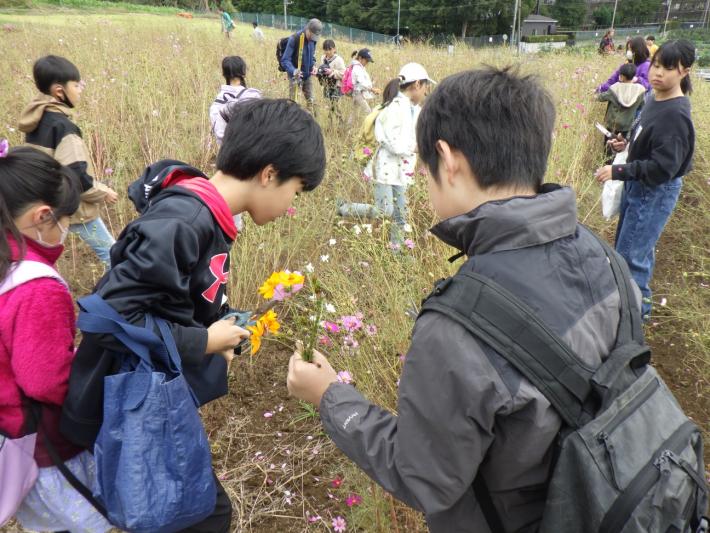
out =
column 27, row 270
column 499, row 319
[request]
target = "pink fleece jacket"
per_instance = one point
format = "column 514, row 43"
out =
column 36, row 350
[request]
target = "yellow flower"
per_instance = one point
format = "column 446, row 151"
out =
column 284, row 278
column 267, row 323
column 270, row 321
column 257, row 332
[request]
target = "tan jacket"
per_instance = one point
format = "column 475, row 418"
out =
column 48, row 127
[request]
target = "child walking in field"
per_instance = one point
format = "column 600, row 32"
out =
column 330, row 74
column 660, row 153
column 394, row 162
column 234, row 91
column 227, row 23
column 37, row 198
column 47, row 125
column 362, row 88
column 173, row 261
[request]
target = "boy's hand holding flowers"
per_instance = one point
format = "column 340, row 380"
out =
column 309, row 381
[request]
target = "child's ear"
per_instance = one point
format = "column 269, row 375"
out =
column 267, row 175
column 57, row 91
column 447, row 159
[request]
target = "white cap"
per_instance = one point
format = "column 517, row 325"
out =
column 413, row 72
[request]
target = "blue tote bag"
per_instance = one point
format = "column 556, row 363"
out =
column 153, row 461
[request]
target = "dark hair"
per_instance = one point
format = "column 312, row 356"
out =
column 673, row 55
column 354, row 54
column 628, row 71
column 650, row 38
column 639, row 48
column 234, row 67
column 49, row 70
column 274, row 132
column 255, row 24
column 329, row 44
column 500, row 121
column 390, row 91
column 28, row 176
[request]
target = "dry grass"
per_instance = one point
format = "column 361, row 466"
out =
column 150, row 80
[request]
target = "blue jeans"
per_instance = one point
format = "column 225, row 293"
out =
column 390, row 202
column 643, row 214
column 96, row 235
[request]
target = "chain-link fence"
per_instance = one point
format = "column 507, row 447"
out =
column 333, row 31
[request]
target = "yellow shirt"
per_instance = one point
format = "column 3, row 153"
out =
column 652, row 49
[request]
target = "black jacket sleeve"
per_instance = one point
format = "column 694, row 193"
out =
column 153, row 275
column 666, row 155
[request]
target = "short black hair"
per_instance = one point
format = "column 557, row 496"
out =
column 275, row 132
column 49, row 70
column 329, row 44
column 628, row 71
column 650, row 38
column 234, row 67
column 255, row 24
column 500, row 121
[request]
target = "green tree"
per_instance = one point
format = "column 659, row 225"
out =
column 602, row 16
column 570, row 13
column 638, row 11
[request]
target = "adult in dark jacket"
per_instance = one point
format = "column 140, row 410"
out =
column 302, row 77
column 462, row 409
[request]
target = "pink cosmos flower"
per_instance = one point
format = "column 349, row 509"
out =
column 324, row 340
column 366, row 178
column 331, row 327
column 339, row 524
column 268, row 414
column 367, row 151
column 394, row 246
column 291, row 211
column 351, row 322
column 353, row 500
column 108, row 171
column 371, row 330
column 312, row 519
column 350, row 341
column 409, row 243
column 337, row 481
column 345, row 377
column 565, row 126
column 580, row 108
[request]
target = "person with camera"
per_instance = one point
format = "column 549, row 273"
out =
column 330, row 73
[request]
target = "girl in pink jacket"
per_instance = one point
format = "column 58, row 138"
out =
column 37, row 197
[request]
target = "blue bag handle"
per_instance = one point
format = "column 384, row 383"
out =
column 99, row 317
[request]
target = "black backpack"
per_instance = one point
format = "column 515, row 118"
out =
column 281, row 48
column 627, row 457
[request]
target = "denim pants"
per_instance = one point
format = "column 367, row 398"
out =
column 96, row 235
column 390, row 202
column 643, row 214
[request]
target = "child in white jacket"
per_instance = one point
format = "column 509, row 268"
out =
column 395, row 160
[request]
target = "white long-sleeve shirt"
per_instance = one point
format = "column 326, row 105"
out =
column 362, row 84
column 226, row 97
column 395, row 130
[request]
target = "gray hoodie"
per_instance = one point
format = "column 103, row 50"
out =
column 462, row 409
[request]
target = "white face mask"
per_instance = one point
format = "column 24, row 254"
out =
column 629, row 55
column 62, row 236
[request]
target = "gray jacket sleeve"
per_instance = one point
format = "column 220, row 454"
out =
column 449, row 394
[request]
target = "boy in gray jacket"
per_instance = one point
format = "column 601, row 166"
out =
column 463, row 412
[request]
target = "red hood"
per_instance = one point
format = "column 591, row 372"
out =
column 208, row 194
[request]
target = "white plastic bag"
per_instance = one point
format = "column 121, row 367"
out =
column 613, row 189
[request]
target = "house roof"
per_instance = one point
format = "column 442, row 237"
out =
column 538, row 18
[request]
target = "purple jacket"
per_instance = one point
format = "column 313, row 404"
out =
column 641, row 77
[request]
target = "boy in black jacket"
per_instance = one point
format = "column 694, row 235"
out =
column 173, row 261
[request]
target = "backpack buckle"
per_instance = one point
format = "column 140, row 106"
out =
column 439, row 287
